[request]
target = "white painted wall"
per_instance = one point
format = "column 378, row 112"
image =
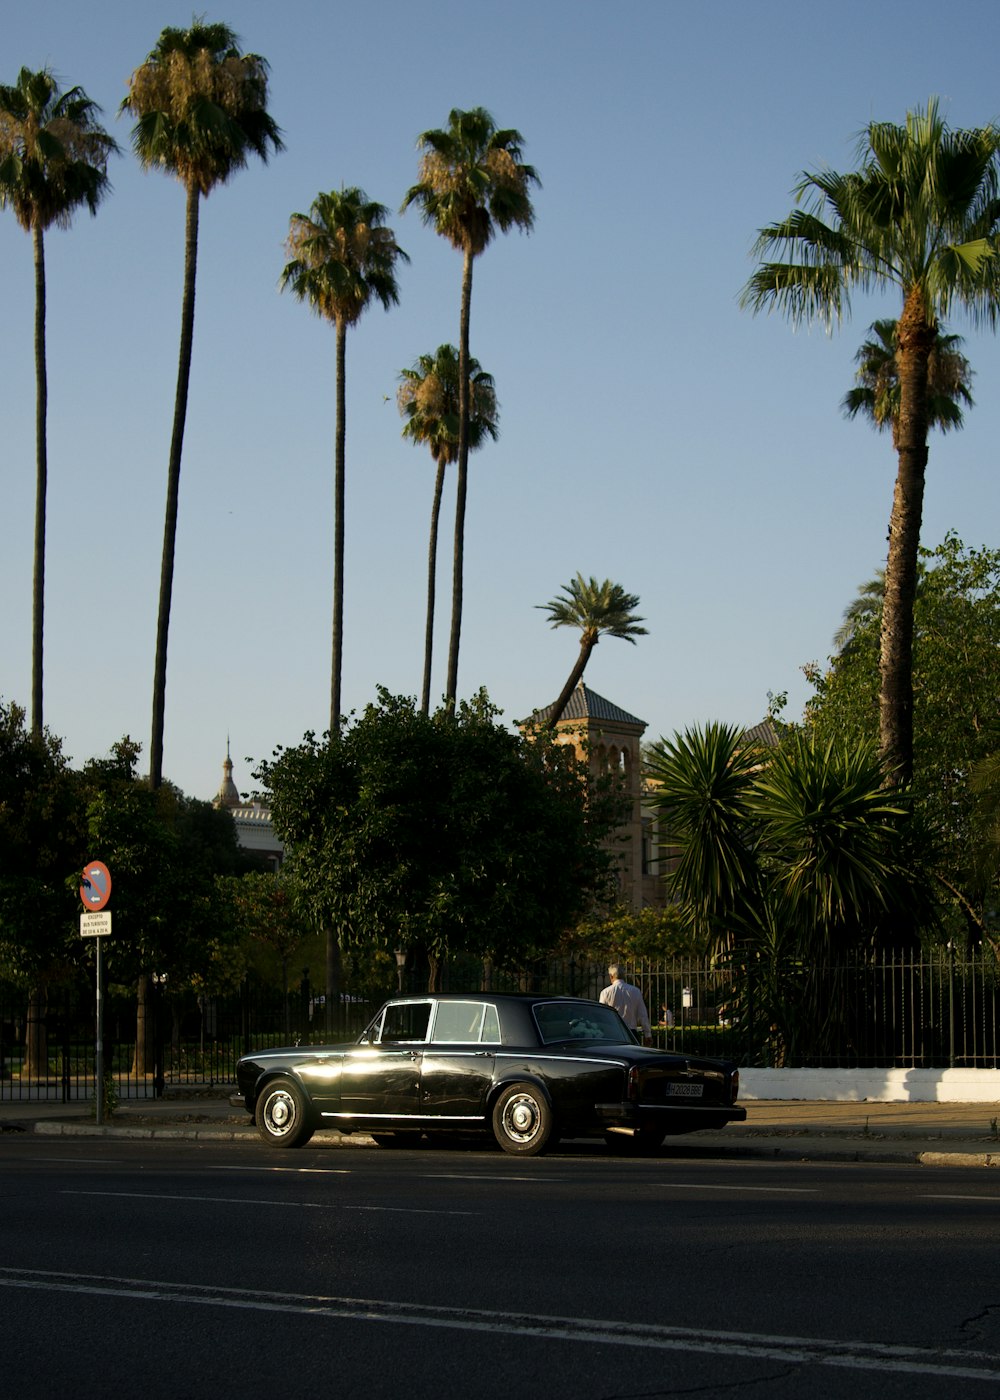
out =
column 872, row 1085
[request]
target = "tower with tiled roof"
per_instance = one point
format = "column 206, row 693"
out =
column 609, row 737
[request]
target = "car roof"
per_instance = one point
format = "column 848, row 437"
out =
column 524, row 997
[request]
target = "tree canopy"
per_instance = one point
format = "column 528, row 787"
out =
column 956, row 702
column 443, row 831
column 200, row 106
column 43, row 835
column 597, row 609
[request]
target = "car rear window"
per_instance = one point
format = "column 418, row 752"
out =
column 575, row 1021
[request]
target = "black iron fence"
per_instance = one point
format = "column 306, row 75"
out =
column 935, row 1010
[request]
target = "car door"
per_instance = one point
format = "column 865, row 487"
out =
column 459, row 1061
column 380, row 1080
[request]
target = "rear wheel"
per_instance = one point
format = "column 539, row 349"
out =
column 522, row 1120
column 283, row 1115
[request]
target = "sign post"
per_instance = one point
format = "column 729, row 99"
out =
column 95, row 922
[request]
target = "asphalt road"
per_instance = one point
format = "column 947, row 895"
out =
column 213, row 1270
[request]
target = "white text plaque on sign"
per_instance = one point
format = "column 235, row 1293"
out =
column 96, row 924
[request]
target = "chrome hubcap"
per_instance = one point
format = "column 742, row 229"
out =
column 279, row 1114
column 521, row 1117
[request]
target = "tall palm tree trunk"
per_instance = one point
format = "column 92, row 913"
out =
column 337, row 660
column 425, row 701
column 41, row 482
column 573, row 679
column 173, row 486
column 333, row 961
column 915, row 341
column 462, row 480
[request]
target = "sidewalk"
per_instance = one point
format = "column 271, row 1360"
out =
column 929, row 1134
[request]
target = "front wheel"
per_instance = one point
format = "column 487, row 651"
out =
column 283, row 1116
column 522, row 1120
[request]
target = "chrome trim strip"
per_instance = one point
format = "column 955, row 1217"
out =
column 419, row 1117
column 561, row 1059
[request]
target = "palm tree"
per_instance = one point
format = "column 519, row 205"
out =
column 597, row 609
column 876, row 393
column 200, row 109
column 53, row 158
column 829, row 839
column 785, row 859
column 341, row 258
column 472, row 183
column 865, row 606
column 919, row 216
column 702, row 783
column 428, row 397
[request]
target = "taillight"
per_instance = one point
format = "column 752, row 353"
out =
column 632, row 1092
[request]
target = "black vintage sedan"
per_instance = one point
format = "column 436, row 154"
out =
column 528, row 1069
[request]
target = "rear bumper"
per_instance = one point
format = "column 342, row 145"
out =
column 641, row 1117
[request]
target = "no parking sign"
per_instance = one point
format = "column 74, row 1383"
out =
column 96, row 888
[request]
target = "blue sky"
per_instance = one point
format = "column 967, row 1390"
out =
column 651, row 432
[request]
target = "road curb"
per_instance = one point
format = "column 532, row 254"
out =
column 785, row 1150
column 191, row 1133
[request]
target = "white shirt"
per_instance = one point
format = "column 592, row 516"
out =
column 627, row 1001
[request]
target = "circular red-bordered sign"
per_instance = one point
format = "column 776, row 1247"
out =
column 96, row 888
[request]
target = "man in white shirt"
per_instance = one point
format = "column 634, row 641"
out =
column 627, row 1001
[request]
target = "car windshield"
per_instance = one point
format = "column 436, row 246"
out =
column 579, row 1021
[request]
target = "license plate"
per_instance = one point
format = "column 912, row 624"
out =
column 685, row 1091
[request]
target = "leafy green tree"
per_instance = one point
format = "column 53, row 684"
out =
column 269, row 920
column 956, row 708
column 472, row 183
column 443, row 831
column 53, row 159
column 919, row 217
column 428, row 398
column 43, row 838
column 342, row 257
column 164, row 851
column 201, row 113
column 631, row 934
column 44, row 841
column 597, row 609
column 876, row 394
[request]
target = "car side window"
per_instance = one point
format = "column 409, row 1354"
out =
column 407, row 1021
column 457, row 1021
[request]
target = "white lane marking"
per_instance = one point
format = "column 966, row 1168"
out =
column 248, row 1201
column 770, row 1190
column 850, row 1354
column 410, row 1176
column 88, row 1161
column 295, row 1171
column 531, row 1180
column 943, row 1196
column 476, row 1176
